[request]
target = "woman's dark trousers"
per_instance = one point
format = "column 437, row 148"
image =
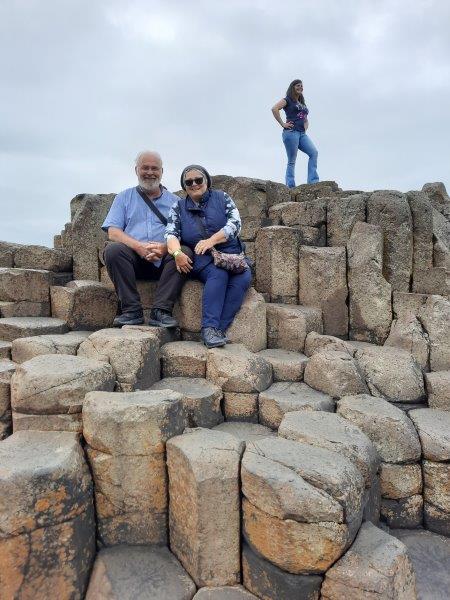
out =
column 222, row 295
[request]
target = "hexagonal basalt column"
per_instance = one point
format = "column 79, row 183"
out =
column 133, row 355
column 433, row 427
column 201, row 399
column 56, row 384
column 235, row 369
column 376, row 566
column 126, row 435
column 394, row 436
column 47, row 526
column 302, row 505
column 84, row 304
column 203, row 470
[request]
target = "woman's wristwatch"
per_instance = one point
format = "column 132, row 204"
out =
column 177, row 252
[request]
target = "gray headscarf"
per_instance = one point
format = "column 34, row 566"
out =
column 195, row 168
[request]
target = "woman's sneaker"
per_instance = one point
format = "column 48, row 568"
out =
column 211, row 338
column 222, row 334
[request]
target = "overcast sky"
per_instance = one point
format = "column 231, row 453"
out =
column 86, row 84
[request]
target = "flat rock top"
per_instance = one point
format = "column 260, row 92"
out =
column 373, row 553
column 224, row 593
column 59, row 365
column 373, row 407
column 285, row 390
column 84, row 283
column 143, row 572
column 294, row 309
column 433, row 427
column 310, row 462
column 30, row 453
column 189, row 349
column 328, row 430
column 285, row 356
column 116, row 333
column 245, row 432
column 194, row 387
column 18, row 272
column 430, row 556
column 56, row 339
column 111, row 402
column 32, row 322
column 209, row 452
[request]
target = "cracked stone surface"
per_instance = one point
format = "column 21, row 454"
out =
column 201, row 399
column 433, row 427
column 377, row 565
column 144, row 572
column 285, row 397
column 391, row 373
column 294, row 494
column 67, row 343
column 19, row 327
column 333, row 432
column 57, row 383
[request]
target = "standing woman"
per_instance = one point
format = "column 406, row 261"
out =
column 294, row 132
column 207, row 219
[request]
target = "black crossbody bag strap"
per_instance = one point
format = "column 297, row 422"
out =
column 152, row 206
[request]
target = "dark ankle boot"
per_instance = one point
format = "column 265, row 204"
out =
column 129, row 318
column 162, row 318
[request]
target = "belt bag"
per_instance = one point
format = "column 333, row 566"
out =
column 234, row 263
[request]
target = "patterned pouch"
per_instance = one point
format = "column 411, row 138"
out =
column 235, row 263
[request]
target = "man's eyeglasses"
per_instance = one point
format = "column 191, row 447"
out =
column 191, row 182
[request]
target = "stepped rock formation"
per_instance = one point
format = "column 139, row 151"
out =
column 309, row 458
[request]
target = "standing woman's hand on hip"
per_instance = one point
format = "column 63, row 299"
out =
column 288, row 125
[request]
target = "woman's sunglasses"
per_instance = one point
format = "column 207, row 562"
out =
column 191, row 182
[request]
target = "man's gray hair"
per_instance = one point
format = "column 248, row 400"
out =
column 145, row 153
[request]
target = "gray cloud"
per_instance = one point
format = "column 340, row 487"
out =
column 86, row 85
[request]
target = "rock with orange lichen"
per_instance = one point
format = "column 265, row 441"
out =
column 47, row 525
column 302, row 505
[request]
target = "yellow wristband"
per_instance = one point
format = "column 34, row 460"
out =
column 177, row 252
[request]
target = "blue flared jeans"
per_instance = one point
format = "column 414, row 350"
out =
column 294, row 141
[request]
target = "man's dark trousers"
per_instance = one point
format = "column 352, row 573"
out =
column 125, row 266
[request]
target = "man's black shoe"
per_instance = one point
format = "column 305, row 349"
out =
column 211, row 338
column 128, row 318
column 162, row 318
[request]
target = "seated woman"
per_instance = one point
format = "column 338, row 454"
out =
column 208, row 218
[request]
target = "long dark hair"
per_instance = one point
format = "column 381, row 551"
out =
column 290, row 91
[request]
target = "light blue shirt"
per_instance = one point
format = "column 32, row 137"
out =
column 131, row 214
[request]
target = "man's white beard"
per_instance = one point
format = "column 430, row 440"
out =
column 149, row 186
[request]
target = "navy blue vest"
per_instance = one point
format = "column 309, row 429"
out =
column 211, row 210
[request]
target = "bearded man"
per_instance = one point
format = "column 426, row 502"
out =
column 135, row 225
